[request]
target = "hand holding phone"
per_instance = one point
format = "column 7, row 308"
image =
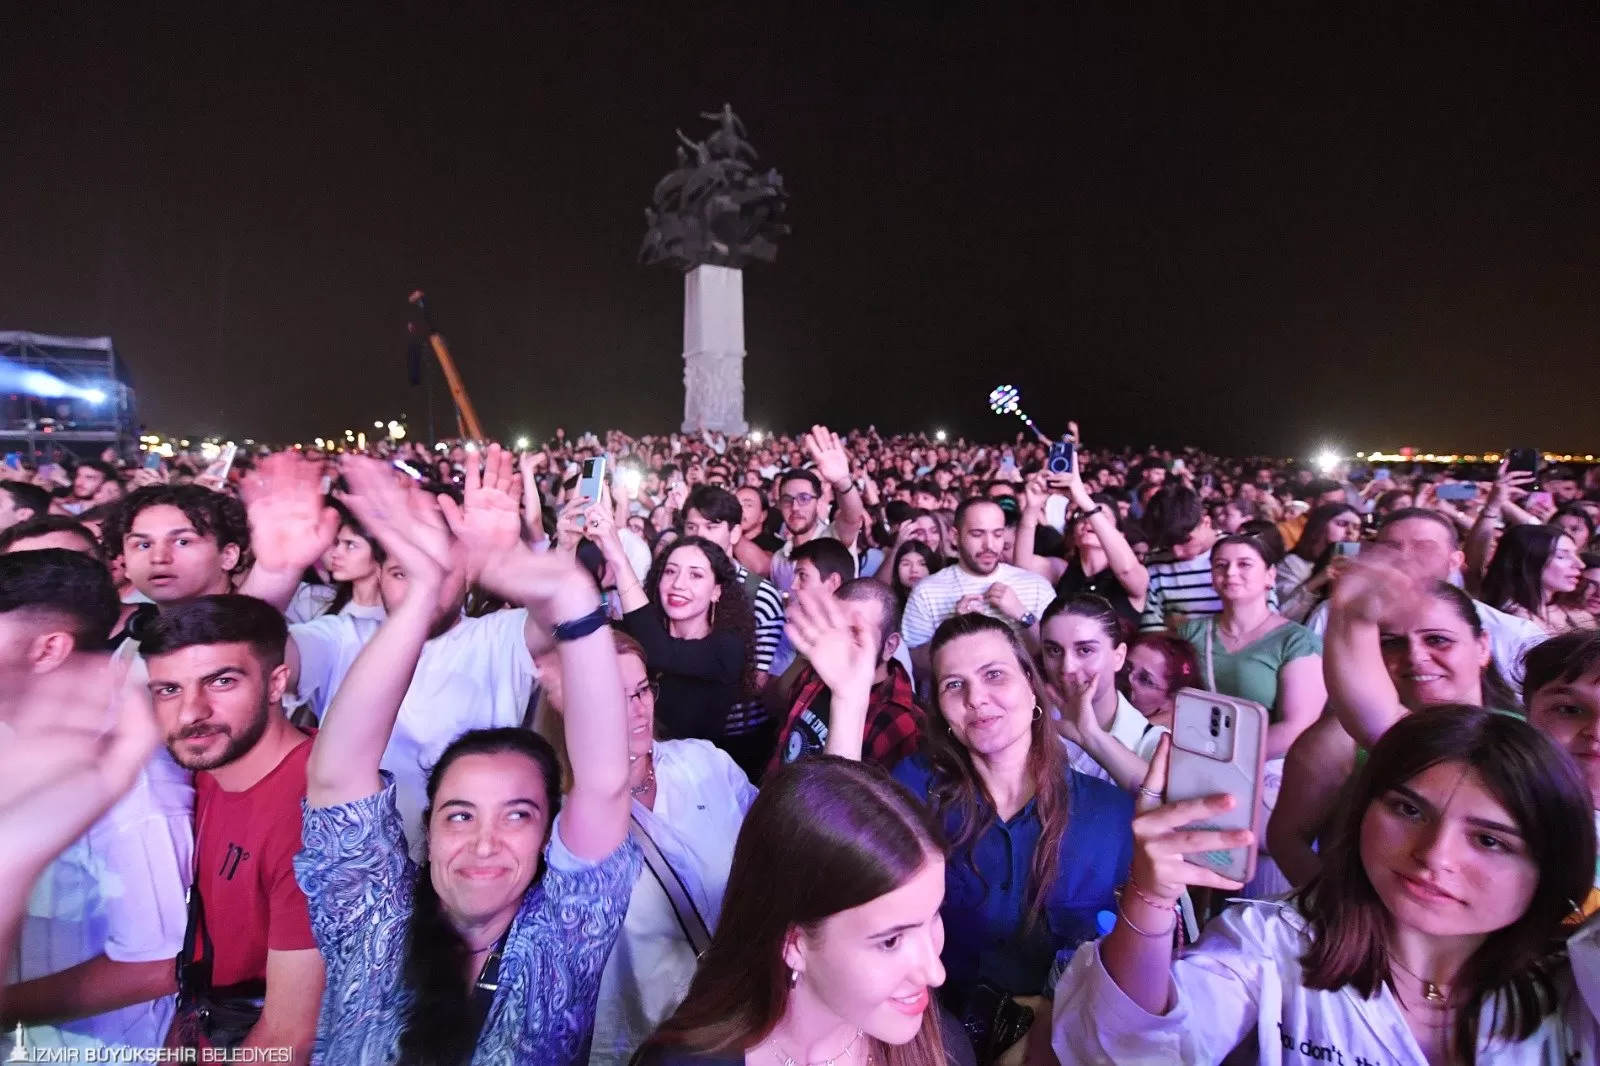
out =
column 590, row 483
column 1219, row 747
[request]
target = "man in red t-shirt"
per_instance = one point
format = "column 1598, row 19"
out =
column 251, row 975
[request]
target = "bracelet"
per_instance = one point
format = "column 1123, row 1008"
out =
column 1158, row 904
column 1090, row 514
column 1150, row 792
column 579, row 628
column 1123, row 914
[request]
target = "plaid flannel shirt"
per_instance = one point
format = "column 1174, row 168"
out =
column 894, row 721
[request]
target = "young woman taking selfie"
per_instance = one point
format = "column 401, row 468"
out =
column 1433, row 936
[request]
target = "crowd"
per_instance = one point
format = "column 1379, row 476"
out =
column 796, row 750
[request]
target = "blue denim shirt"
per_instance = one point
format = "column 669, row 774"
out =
column 358, row 878
column 987, row 937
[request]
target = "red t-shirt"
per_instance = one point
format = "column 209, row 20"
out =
column 244, row 868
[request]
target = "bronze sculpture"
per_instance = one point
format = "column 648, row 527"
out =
column 714, row 209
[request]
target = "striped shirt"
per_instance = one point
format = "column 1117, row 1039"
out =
column 1179, row 587
column 767, row 605
column 935, row 597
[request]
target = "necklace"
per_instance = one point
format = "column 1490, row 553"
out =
column 848, row 1049
column 1242, row 637
column 1432, row 993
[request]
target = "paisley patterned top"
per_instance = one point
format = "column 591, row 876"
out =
column 358, row 877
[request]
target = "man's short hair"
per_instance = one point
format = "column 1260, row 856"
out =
column 1320, row 487
column 829, row 556
column 715, row 504
column 969, row 503
column 1405, row 514
column 1172, row 515
column 223, row 619
column 869, row 590
column 105, row 469
column 32, row 497
column 41, row 526
column 212, row 514
column 800, row 474
column 64, row 584
column 1567, row 657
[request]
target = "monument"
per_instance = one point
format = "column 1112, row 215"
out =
column 711, row 216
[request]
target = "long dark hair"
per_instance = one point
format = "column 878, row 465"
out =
column 1516, row 573
column 441, row 1028
column 824, row 835
column 958, row 789
column 931, row 558
column 1313, row 542
column 1549, row 803
column 733, row 613
column 344, row 590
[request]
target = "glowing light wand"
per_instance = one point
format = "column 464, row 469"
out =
column 1003, row 401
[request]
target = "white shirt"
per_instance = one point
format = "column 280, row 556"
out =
column 935, row 597
column 1244, row 979
column 1130, row 729
column 701, row 801
column 118, row 891
column 1510, row 638
column 476, row 675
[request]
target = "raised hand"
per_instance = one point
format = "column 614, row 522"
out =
column 82, row 735
column 487, row 522
column 1372, row 587
column 828, row 452
column 1160, row 841
column 402, row 517
column 291, row 524
column 1509, row 482
column 1034, row 494
column 839, row 648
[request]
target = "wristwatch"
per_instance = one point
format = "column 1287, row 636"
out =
column 581, row 627
column 1030, row 619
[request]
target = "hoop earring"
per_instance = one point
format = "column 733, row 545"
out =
column 1038, row 712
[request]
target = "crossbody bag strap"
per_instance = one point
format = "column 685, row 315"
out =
column 694, row 927
column 1211, row 670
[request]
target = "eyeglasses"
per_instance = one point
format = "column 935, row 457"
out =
column 800, row 500
column 649, row 688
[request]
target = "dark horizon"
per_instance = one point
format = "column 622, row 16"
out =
column 1257, row 232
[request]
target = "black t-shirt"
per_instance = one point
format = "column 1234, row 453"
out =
column 808, row 735
column 768, row 543
column 1074, row 581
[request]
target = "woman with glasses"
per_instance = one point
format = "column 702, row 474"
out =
column 689, row 800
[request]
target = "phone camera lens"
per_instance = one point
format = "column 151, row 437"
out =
column 1213, row 729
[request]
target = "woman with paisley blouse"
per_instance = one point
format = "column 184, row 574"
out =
column 492, row 951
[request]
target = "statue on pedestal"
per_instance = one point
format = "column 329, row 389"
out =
column 710, row 216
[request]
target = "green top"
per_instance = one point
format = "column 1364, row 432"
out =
column 1251, row 672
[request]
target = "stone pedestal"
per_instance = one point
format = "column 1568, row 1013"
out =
column 713, row 350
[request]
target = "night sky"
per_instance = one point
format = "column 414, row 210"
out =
column 1185, row 225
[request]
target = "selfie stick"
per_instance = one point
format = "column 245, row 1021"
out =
column 1003, row 401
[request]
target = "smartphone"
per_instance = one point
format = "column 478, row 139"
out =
column 1179, row 466
column 1456, row 491
column 1381, row 474
column 405, row 468
column 591, row 481
column 1219, row 745
column 1063, row 457
column 1522, row 460
column 1347, row 548
column 223, row 463
column 14, row 460
column 152, row 461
